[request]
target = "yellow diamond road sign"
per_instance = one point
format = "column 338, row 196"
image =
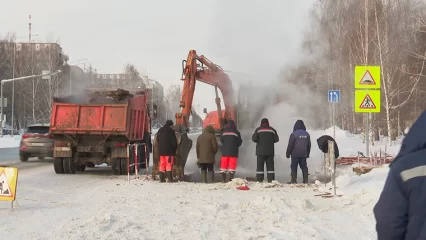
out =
column 367, row 101
column 367, row 77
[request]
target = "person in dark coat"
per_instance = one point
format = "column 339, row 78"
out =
column 265, row 138
column 231, row 141
column 400, row 212
column 299, row 148
column 167, row 146
column 206, row 149
column 323, row 146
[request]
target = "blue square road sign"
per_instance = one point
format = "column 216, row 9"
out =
column 333, row 96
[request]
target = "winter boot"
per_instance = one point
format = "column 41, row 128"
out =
column 211, row 177
column 223, row 174
column 230, row 176
column 293, row 178
column 170, row 177
column 204, row 176
column 305, row 177
column 271, row 177
column 162, row 177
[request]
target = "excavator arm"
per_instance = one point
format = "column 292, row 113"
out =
column 199, row 68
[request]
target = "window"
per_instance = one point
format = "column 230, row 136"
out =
column 38, row 129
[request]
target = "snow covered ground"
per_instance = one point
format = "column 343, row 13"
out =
column 96, row 205
column 7, row 141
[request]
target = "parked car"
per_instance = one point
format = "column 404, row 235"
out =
column 36, row 142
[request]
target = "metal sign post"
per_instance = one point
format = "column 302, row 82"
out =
column 366, row 100
column 332, row 165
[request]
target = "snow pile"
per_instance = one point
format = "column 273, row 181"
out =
column 10, row 142
column 371, row 183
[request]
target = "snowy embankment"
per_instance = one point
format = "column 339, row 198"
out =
column 7, row 141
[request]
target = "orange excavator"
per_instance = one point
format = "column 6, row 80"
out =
column 199, row 68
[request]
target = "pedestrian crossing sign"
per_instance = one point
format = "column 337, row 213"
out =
column 8, row 182
column 367, row 101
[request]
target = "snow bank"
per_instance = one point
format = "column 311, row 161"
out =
column 10, row 142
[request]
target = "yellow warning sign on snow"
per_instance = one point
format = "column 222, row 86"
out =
column 367, row 101
column 8, row 183
column 367, row 77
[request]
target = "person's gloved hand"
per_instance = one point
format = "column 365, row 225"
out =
column 288, row 156
column 198, row 163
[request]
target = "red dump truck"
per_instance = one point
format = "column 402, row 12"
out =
column 98, row 127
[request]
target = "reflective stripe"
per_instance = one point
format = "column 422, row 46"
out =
column 259, row 172
column 266, row 130
column 230, row 134
column 270, row 171
column 223, row 170
column 413, row 173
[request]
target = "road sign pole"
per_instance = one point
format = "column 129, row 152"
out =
column 367, row 134
column 334, row 120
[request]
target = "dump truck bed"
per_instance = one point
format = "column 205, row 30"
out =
column 101, row 117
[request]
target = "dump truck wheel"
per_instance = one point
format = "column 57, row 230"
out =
column 69, row 167
column 124, row 166
column 116, row 166
column 58, row 165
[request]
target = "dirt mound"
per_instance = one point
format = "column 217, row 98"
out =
column 97, row 97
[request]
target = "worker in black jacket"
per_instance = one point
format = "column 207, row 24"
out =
column 231, row 141
column 167, row 146
column 265, row 138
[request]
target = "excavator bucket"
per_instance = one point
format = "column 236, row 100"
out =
column 184, row 147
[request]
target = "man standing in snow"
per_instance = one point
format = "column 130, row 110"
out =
column 400, row 212
column 299, row 148
column 167, row 146
column 206, row 150
column 265, row 138
column 231, row 141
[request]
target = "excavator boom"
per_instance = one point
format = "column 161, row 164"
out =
column 199, row 68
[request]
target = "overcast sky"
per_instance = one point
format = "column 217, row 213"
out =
column 254, row 37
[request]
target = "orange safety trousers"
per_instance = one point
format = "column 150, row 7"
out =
column 228, row 164
column 166, row 163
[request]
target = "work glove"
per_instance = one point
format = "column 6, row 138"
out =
column 287, row 156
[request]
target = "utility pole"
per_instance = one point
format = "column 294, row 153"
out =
column 13, row 76
column 367, row 115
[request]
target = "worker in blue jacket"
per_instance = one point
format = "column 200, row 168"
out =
column 401, row 210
